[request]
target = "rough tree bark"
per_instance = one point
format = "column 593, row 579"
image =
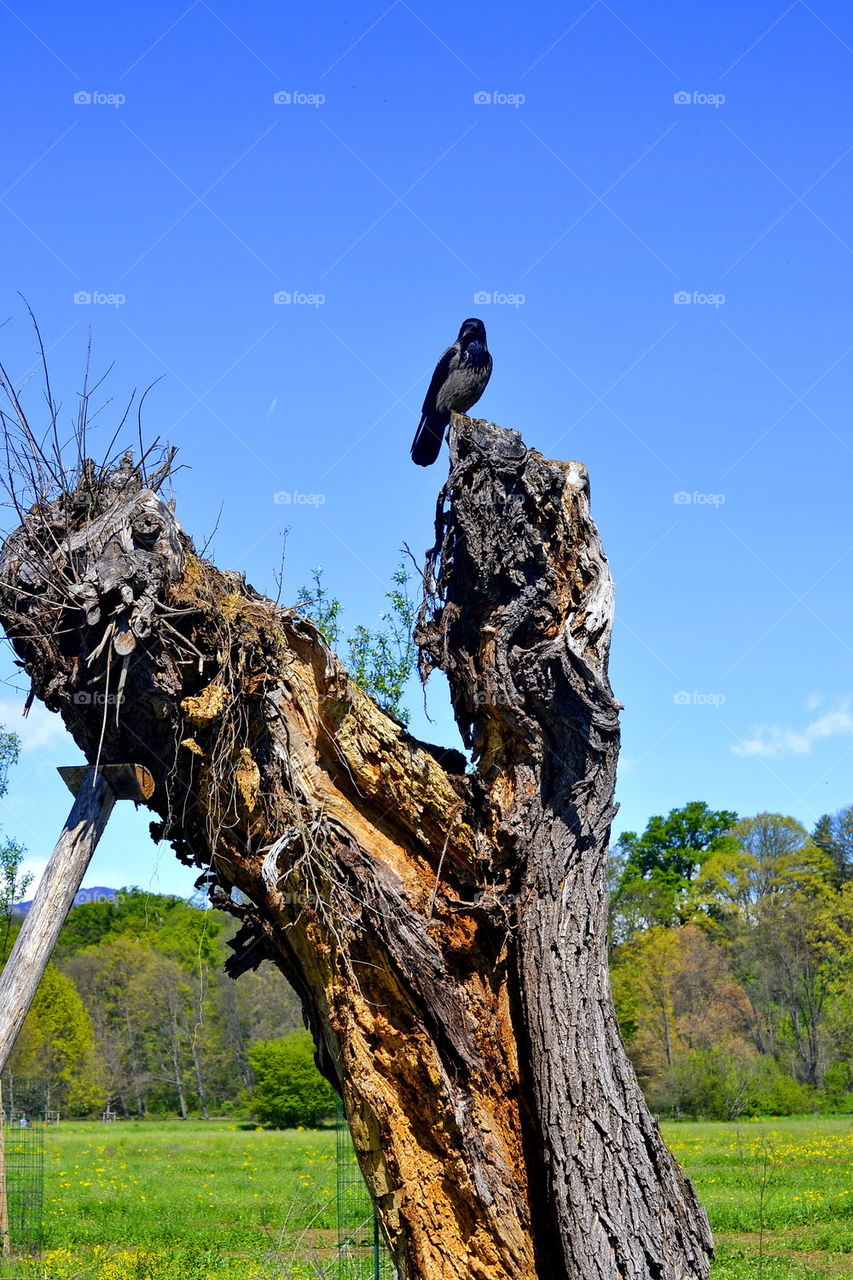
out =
column 444, row 926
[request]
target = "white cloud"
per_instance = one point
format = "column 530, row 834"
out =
column 781, row 740
column 41, row 728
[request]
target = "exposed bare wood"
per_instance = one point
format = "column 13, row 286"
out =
column 62, row 877
column 442, row 922
column 127, row 781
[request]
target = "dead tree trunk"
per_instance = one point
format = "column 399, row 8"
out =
column 445, row 929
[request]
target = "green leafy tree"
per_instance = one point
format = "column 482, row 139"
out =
column 260, row 1006
column 678, row 843
column 57, row 1042
column 381, row 659
column 323, row 610
column 831, row 937
column 689, row 1029
column 769, row 855
column 13, row 885
column 765, row 891
column 645, row 902
column 777, row 958
column 833, row 834
column 171, row 1028
column 155, row 1018
column 289, row 1089
column 147, row 966
column 169, row 924
column 117, row 981
column 717, row 1084
column 674, row 990
column 659, row 866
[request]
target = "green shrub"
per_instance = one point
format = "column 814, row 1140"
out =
column 712, row 1084
column 777, row 1093
column 838, row 1087
column 289, row 1089
column 717, row 1084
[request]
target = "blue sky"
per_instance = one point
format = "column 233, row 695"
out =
column 580, row 171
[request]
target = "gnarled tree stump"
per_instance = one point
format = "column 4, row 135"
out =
column 443, row 924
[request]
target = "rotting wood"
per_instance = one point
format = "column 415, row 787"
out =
column 444, row 927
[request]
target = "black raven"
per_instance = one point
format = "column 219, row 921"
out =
column 459, row 380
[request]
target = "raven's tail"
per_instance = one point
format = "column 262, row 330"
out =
column 426, row 445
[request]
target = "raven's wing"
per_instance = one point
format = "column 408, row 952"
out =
column 447, row 362
column 426, row 445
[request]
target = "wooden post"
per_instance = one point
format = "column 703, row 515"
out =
column 95, row 793
column 62, row 878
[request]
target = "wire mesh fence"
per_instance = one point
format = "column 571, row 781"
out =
column 22, row 1123
column 362, row 1251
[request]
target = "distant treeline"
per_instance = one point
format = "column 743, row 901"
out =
column 732, row 961
column 136, row 1013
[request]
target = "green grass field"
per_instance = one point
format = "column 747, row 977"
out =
column 185, row 1201
column 210, row 1201
column 779, row 1194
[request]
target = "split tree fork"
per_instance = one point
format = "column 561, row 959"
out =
column 444, row 928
